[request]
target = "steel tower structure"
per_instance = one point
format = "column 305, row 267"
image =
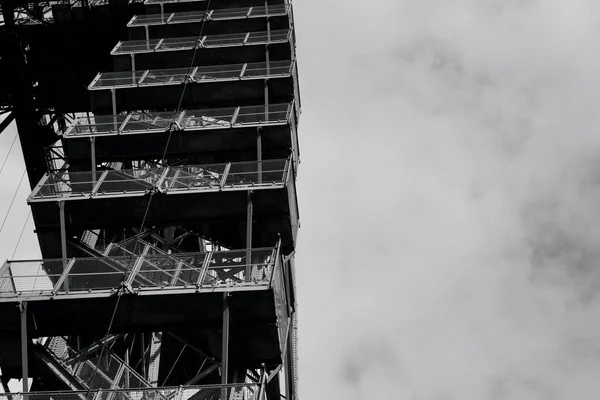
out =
column 160, row 141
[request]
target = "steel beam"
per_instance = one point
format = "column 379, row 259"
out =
column 155, row 346
column 24, row 352
column 225, row 346
column 63, row 240
column 249, row 218
column 93, row 157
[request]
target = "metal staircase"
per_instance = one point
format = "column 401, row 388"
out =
column 90, row 368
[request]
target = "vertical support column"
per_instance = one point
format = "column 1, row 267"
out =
column 266, row 93
column 155, row 349
column 249, row 219
column 113, row 96
column 143, row 353
column 126, row 370
column 63, row 241
column 24, row 352
column 93, row 157
column 289, row 366
column 133, row 74
column 225, row 346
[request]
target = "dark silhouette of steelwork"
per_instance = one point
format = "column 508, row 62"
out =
column 160, row 141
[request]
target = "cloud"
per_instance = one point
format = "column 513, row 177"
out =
column 448, row 193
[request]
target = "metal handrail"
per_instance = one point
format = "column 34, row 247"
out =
column 168, row 180
column 140, row 122
column 127, row 47
column 224, row 266
column 177, row 76
column 211, row 15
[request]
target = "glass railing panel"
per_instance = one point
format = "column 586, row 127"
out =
column 150, row 121
column 268, row 69
column 252, row 173
column 132, row 46
column 225, row 40
column 167, row 76
column 273, row 113
column 97, row 124
column 189, row 16
column 93, row 274
column 194, row 176
column 215, row 72
column 265, row 37
column 229, row 13
column 178, row 43
column 208, row 118
column 71, row 184
column 149, row 19
column 274, row 10
column 130, row 181
column 110, row 79
column 30, row 276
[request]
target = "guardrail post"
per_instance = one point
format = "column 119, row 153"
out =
column 136, row 267
column 98, row 183
column 64, row 275
column 225, row 175
column 177, row 273
column 205, row 266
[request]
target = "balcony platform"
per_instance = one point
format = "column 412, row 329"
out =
column 202, row 136
column 210, row 200
column 222, row 85
column 193, row 282
column 156, row 6
column 215, row 21
column 236, row 48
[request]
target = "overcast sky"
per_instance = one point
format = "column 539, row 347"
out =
column 449, row 192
